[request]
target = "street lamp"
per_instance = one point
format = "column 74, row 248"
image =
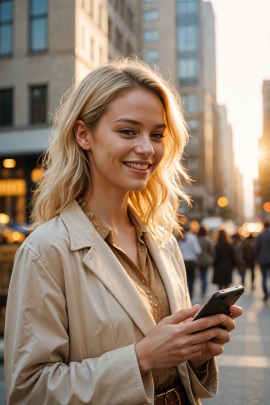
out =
column 222, row 202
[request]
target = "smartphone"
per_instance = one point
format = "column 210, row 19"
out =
column 220, row 302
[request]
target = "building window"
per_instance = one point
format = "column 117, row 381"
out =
column 150, row 15
column 38, row 104
column 110, row 29
column 6, row 107
column 150, row 35
column 190, row 103
column 187, row 38
column 120, row 6
column 6, row 15
column 189, row 71
column 38, row 25
column 193, row 144
column 149, row 1
column 151, row 56
column 187, row 7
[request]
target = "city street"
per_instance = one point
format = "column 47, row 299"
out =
column 245, row 364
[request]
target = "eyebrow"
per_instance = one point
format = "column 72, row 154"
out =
column 130, row 121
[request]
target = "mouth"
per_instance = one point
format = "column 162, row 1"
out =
column 137, row 166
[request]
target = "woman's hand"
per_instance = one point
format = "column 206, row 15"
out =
column 214, row 347
column 175, row 340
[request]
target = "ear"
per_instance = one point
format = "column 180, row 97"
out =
column 82, row 134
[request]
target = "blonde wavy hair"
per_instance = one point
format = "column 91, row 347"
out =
column 66, row 167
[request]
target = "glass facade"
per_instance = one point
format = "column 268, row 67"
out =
column 190, row 103
column 38, row 25
column 150, row 35
column 150, row 15
column 151, row 56
column 188, row 45
column 6, row 107
column 6, row 37
column 193, row 144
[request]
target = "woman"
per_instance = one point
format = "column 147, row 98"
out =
column 98, row 309
column 224, row 260
column 206, row 258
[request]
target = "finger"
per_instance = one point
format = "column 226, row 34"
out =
column 214, row 334
column 206, row 323
column 215, row 348
column 182, row 315
column 228, row 323
column 235, row 311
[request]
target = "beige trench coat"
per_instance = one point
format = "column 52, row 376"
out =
column 73, row 317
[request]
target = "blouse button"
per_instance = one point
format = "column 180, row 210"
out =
column 155, row 305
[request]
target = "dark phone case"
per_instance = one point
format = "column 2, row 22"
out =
column 220, row 302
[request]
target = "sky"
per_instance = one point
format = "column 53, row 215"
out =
column 243, row 62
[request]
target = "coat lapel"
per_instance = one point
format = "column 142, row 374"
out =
column 167, row 272
column 103, row 263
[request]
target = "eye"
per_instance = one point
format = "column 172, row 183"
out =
column 157, row 135
column 127, row 131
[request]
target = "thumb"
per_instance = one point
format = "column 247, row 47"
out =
column 183, row 314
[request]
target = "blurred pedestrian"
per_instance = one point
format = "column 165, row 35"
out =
column 238, row 245
column 206, row 257
column 224, row 261
column 262, row 253
column 249, row 258
column 190, row 249
column 98, row 307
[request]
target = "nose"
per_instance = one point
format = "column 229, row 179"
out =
column 144, row 145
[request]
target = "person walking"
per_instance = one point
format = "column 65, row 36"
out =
column 224, row 261
column 238, row 245
column 249, row 258
column 98, row 307
column 206, row 257
column 190, row 249
column 262, row 254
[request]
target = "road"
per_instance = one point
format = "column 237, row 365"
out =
column 244, row 367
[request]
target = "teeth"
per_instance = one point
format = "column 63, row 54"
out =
column 137, row 166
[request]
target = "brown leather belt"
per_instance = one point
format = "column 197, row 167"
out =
column 175, row 395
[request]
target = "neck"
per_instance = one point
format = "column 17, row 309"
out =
column 110, row 208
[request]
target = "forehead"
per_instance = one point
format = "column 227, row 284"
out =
column 137, row 102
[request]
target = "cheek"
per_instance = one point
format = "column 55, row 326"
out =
column 160, row 153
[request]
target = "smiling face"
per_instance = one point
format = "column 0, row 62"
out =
column 127, row 145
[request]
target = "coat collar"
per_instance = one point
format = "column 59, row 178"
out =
column 80, row 229
column 103, row 263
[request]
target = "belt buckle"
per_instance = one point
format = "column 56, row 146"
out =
column 166, row 396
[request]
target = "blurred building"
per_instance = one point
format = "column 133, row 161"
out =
column 264, row 148
column 179, row 37
column 45, row 47
column 124, row 27
column 226, row 158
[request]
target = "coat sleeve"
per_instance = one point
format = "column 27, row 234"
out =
column 37, row 367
